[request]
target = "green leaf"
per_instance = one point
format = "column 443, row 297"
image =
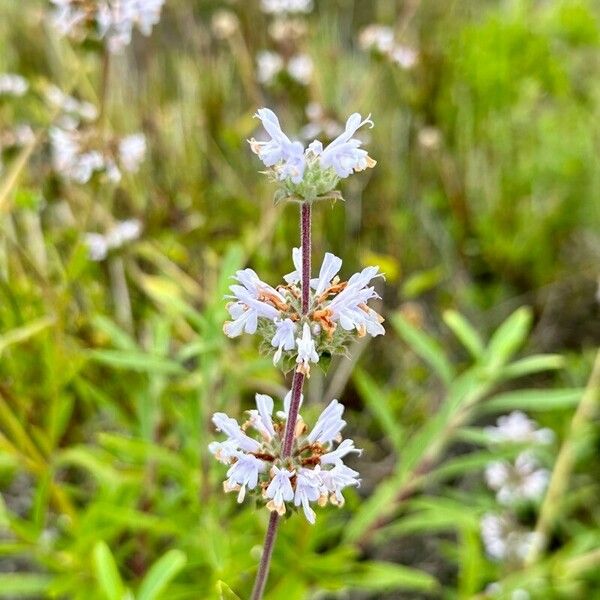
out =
column 136, row 361
column 22, row 334
column 533, row 364
column 225, row 592
column 425, row 346
column 107, row 572
column 120, row 338
column 508, row 338
column 160, row 574
column 535, row 400
column 26, row 585
column 378, row 404
column 465, row 332
column 384, row 576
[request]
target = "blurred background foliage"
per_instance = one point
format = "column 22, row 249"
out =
column 484, row 199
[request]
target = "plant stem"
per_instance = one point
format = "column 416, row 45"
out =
column 565, row 461
column 265, row 561
column 297, row 384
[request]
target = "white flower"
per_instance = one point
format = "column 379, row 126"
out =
column 276, row 7
column 97, row 246
column 268, row 65
column 284, row 338
column 117, row 18
column 307, row 352
column 261, row 419
column 328, row 425
column 404, row 56
column 279, row 151
column 329, row 269
column 344, row 155
column 308, row 489
column 349, row 306
column 13, row 85
column 121, row 233
column 225, row 451
column 335, row 457
column 76, row 108
column 522, row 481
column 301, row 67
column 517, row 428
column 67, row 16
column 504, row 539
column 243, row 473
column 377, row 37
column 233, row 431
column 338, row 478
column 132, row 150
column 279, row 490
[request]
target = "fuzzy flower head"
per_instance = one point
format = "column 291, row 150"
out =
column 312, row 172
column 314, row 473
column 338, row 312
column 506, row 540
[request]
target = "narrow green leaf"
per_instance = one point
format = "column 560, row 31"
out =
column 120, row 338
column 533, row 364
column 425, row 346
column 535, row 400
column 465, row 332
column 21, row 334
column 26, row 585
column 136, row 361
column 378, row 404
column 384, row 576
column 160, row 575
column 508, row 338
column 107, row 572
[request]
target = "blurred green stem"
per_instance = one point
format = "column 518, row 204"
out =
column 565, row 462
column 292, row 418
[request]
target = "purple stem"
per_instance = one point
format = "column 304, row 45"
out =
column 265, row 561
column 297, row 384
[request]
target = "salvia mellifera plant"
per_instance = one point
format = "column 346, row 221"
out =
column 274, row 454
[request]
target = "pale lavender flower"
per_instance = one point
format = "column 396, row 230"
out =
column 344, row 155
column 308, row 489
column 262, row 418
column 279, row 151
column 277, row 7
column 13, row 85
column 349, row 306
column 268, row 65
column 243, row 474
column 117, row 236
column 284, row 338
column 307, row 352
column 338, row 478
column 377, row 37
column 301, row 67
column 68, row 16
column 235, row 434
column 518, row 428
column 335, row 456
column 79, row 109
column 523, row 480
column 225, row 452
column 280, row 490
column 132, row 150
column 328, row 425
column 404, row 56
column 506, row 540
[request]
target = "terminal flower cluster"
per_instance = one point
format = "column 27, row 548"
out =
column 313, row 171
column 314, row 473
column 338, row 311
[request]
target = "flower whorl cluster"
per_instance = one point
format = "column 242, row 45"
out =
column 311, row 172
column 110, row 20
column 314, row 472
column 338, row 311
